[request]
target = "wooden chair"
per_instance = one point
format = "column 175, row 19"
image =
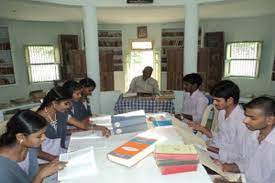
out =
column 210, row 118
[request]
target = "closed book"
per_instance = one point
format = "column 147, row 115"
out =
column 158, row 123
column 130, row 129
column 132, row 151
column 175, row 151
column 122, row 121
column 177, row 169
column 170, row 162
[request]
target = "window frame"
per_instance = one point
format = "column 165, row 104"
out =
column 228, row 59
column 141, row 40
column 27, row 59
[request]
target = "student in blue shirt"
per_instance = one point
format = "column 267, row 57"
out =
column 26, row 129
column 88, row 86
column 77, row 110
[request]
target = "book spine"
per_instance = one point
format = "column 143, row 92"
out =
column 129, row 129
column 119, row 122
column 162, row 156
column 177, row 162
column 177, row 169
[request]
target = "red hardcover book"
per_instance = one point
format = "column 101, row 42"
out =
column 176, row 156
column 177, row 169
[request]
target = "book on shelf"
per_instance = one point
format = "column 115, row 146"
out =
column 133, row 151
column 79, row 163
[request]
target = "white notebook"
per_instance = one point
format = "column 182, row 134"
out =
column 80, row 163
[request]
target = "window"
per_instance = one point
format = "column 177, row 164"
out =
column 42, row 65
column 242, row 59
column 142, row 45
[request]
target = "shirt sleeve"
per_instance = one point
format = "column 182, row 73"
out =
column 200, row 107
column 132, row 87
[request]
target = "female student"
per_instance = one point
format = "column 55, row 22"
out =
column 88, row 86
column 24, row 130
column 230, row 127
column 77, row 110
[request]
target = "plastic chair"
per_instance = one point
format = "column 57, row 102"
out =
column 210, row 118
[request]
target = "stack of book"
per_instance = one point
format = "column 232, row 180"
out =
column 176, row 158
column 129, row 122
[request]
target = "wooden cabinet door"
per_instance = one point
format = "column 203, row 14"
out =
column 174, row 68
column 210, row 66
column 78, row 63
column 106, row 70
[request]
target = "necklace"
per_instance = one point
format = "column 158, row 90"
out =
column 49, row 116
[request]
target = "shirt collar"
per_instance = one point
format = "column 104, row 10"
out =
column 271, row 137
column 236, row 112
column 195, row 93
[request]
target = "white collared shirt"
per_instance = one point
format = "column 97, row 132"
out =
column 230, row 132
column 138, row 85
column 195, row 105
column 257, row 160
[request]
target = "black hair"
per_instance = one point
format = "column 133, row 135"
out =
column 56, row 94
column 226, row 89
column 193, row 78
column 266, row 104
column 26, row 122
column 71, row 86
column 87, row 82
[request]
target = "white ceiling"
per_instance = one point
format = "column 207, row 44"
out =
column 35, row 11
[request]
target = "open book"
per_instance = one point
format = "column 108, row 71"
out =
column 80, row 163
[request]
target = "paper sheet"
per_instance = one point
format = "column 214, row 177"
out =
column 80, row 163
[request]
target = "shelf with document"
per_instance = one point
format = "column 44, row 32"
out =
column 111, row 41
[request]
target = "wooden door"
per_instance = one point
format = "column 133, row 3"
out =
column 210, row 66
column 174, row 68
column 106, row 70
column 78, row 63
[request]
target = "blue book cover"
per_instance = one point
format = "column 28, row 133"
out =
column 162, row 123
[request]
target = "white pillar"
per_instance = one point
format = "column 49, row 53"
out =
column 191, row 29
column 91, row 50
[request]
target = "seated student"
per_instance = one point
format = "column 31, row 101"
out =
column 230, row 127
column 144, row 83
column 82, row 107
column 74, row 89
column 195, row 101
column 24, row 130
column 257, row 150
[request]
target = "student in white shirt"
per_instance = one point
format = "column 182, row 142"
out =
column 257, row 150
column 230, row 126
column 195, row 101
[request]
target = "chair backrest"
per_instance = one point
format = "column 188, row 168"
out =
column 210, row 118
column 3, row 127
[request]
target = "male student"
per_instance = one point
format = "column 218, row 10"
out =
column 195, row 101
column 257, row 150
column 230, row 126
column 144, row 83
